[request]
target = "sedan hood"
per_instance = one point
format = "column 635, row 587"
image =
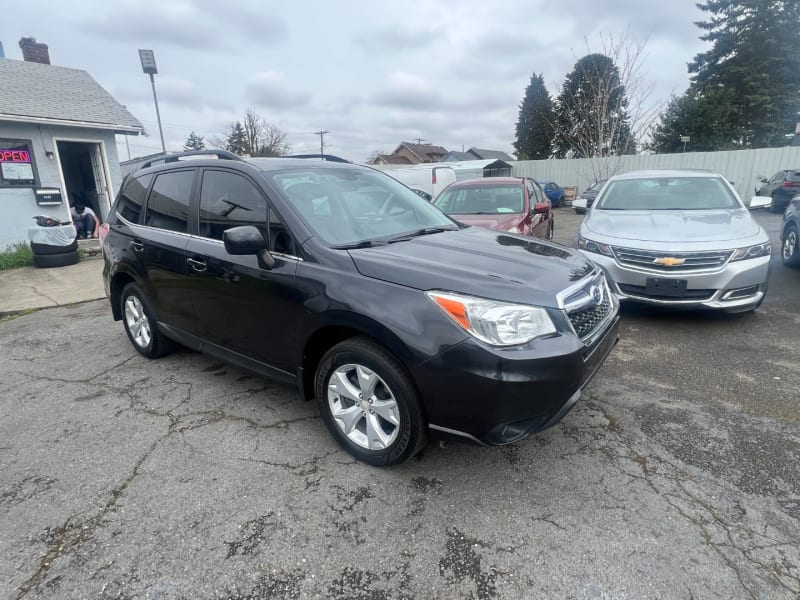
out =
column 497, row 222
column 673, row 225
column 477, row 262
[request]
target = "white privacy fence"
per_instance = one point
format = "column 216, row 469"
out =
column 743, row 167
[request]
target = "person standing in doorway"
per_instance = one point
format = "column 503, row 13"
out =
column 86, row 222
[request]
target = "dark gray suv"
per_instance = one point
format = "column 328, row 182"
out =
column 338, row 279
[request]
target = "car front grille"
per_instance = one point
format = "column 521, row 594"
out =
column 587, row 320
column 662, row 260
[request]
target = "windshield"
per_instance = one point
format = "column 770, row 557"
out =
column 347, row 206
column 667, row 193
column 484, row 200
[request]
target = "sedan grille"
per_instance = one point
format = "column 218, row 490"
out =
column 662, row 260
column 586, row 321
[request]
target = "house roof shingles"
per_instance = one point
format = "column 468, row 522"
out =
column 482, row 153
column 425, row 150
column 49, row 92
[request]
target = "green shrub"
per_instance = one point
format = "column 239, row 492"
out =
column 18, row 255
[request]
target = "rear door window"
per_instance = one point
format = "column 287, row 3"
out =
column 131, row 198
column 168, row 205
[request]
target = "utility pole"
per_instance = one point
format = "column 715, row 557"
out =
column 321, row 135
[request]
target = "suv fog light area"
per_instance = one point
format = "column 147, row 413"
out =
column 492, row 322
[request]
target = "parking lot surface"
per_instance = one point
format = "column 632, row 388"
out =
column 676, row 476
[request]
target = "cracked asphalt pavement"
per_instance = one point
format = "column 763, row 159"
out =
column 676, row 476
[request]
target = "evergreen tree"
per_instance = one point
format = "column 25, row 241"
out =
column 535, row 123
column 711, row 120
column 236, row 141
column 591, row 111
column 755, row 57
column 194, row 142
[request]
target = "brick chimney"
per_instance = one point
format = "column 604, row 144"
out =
column 33, row 51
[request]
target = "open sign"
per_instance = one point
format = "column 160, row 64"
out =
column 17, row 156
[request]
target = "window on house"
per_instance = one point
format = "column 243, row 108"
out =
column 17, row 168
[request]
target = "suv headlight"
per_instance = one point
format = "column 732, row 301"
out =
column 756, row 251
column 592, row 246
column 496, row 323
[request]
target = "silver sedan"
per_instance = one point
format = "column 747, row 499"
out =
column 681, row 238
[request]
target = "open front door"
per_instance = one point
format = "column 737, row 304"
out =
column 99, row 173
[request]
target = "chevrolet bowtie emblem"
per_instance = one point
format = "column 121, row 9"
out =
column 669, row 261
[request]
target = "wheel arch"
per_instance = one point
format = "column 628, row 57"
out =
column 118, row 282
column 335, row 331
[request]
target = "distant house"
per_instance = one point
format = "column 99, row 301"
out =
column 476, row 154
column 411, row 154
column 57, row 141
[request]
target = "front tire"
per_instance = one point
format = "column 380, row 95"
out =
column 140, row 323
column 790, row 248
column 369, row 403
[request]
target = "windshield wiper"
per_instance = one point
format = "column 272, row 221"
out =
column 419, row 232
column 361, row 244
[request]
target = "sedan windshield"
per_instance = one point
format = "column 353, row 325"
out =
column 352, row 207
column 667, row 193
column 483, row 200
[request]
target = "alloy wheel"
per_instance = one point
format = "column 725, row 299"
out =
column 137, row 322
column 363, row 407
column 789, row 245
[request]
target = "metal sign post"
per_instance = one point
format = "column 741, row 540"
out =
column 148, row 61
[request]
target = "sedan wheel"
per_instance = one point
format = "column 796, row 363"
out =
column 790, row 251
column 369, row 402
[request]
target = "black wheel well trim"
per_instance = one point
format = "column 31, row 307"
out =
column 118, row 282
column 327, row 336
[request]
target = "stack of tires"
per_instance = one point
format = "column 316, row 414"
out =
column 53, row 244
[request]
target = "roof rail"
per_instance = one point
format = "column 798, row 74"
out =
column 329, row 157
column 176, row 156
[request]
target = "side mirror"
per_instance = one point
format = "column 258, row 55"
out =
column 760, row 202
column 763, row 180
column 247, row 240
column 541, row 208
column 580, row 203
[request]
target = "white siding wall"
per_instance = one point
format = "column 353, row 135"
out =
column 19, row 205
column 743, row 167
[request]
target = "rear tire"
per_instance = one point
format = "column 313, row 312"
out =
column 48, row 261
column 790, row 247
column 778, row 205
column 45, row 249
column 369, row 403
column 141, row 325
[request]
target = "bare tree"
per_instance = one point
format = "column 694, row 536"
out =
column 273, row 141
column 605, row 108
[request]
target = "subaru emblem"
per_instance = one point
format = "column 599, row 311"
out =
column 596, row 293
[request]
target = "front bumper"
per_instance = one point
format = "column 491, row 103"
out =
column 738, row 285
column 494, row 396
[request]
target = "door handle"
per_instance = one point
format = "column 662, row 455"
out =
column 137, row 246
column 197, row 265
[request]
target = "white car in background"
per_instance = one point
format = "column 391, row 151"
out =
column 679, row 238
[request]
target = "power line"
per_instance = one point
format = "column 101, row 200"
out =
column 321, row 135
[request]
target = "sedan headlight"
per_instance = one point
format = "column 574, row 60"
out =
column 496, row 323
column 592, row 246
column 756, row 251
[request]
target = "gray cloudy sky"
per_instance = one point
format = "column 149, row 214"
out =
column 373, row 73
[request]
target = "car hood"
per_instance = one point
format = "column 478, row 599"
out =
column 477, row 262
column 673, row 225
column 498, row 222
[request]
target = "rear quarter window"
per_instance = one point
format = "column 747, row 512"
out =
column 131, row 198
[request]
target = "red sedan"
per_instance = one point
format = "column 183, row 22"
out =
column 511, row 204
